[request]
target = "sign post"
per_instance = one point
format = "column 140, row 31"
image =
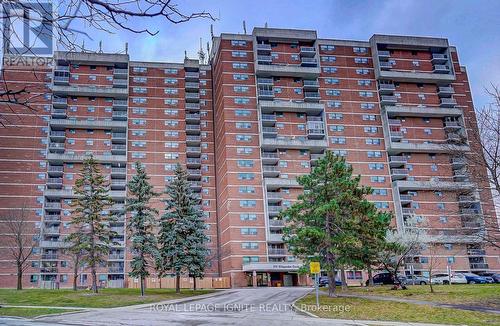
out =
column 315, row 268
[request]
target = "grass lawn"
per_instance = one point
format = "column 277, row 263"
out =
column 30, row 312
column 106, row 298
column 487, row 295
column 365, row 309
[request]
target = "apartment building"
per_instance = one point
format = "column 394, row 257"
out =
column 260, row 113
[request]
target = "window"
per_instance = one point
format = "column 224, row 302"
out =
column 377, row 179
column 360, row 50
column 245, row 138
column 328, row 58
column 362, row 71
column 245, row 163
column 330, row 70
column 249, row 245
column 238, row 43
column 248, row 231
column 171, row 71
column 361, row 60
column 335, row 116
column 240, row 89
column 241, row 100
column 337, row 140
column 240, row 65
column 375, row 166
column 334, row 104
column 248, row 217
column 337, row 128
column 331, row 81
column 243, row 125
column 372, row 154
column 369, row 117
column 239, row 54
column 171, row 91
column 451, row 260
column 379, row 192
column 325, row 47
column 246, row 176
column 242, row 113
column 247, row 189
column 364, row 82
column 240, row 77
column 365, row 94
column 372, row 141
column 139, row 69
column 139, row 90
column 367, row 106
column 332, row 92
column 370, row 130
column 244, row 150
column 250, row 259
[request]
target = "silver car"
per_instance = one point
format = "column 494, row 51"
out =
column 417, row 280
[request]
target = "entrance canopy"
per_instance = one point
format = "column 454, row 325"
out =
column 271, row 267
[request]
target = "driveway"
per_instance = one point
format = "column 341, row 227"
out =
column 246, row 307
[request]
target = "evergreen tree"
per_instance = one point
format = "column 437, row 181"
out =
column 322, row 224
column 181, row 238
column 141, row 224
column 92, row 237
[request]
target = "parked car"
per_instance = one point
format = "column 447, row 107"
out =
column 473, row 278
column 494, row 276
column 489, row 279
column 323, row 281
column 417, row 280
column 443, row 278
column 386, row 278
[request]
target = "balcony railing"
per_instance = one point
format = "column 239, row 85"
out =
column 53, row 205
column 265, row 81
column 275, row 251
column 476, row 252
column 476, row 266
column 277, row 223
column 49, row 256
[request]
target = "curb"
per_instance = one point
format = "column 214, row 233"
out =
column 60, row 314
column 302, row 311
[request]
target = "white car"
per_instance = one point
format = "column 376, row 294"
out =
column 444, row 279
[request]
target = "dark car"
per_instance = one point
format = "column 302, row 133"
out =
column 323, row 281
column 386, row 278
column 474, row 279
column 494, row 276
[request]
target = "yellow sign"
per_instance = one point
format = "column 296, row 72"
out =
column 314, row 267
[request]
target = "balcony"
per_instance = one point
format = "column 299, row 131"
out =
column 120, row 115
column 194, row 174
column 193, row 118
column 385, row 65
column 192, row 106
column 441, row 69
column 276, row 223
column 396, row 161
column 55, row 170
column 315, row 133
column 458, row 162
column 264, row 59
column 472, row 225
column 120, row 73
column 115, row 270
column 289, row 106
column 315, row 158
column 118, row 184
column 445, row 91
column 48, row 270
column 265, row 81
column 53, row 244
column 422, row 111
column 277, row 183
column 308, row 69
column 432, row 185
column 120, row 83
column 192, row 162
column 60, row 102
column 88, row 124
column 52, row 217
column 388, row 100
column 307, row 51
column 78, row 158
column 453, row 137
column 192, row 97
column 311, row 84
column 192, row 76
column 264, row 47
column 385, row 88
column 438, row 58
column 312, row 96
column 50, row 256
column 396, row 135
column 119, row 137
column 120, row 104
column 270, row 171
column 467, row 212
column 56, row 147
column 52, row 206
column 384, row 54
column 120, row 149
column 274, row 210
column 51, row 231
column 193, row 140
column 448, row 102
column 273, row 197
column 118, row 229
column 266, row 94
column 193, row 129
column 277, row 252
column 61, row 68
column 117, row 207
column 116, row 257
column 408, row 211
column 399, row 174
column 195, row 185
column 59, row 113
column 54, row 183
column 270, row 157
column 193, row 151
column 294, row 143
column 119, row 172
column 478, row 266
column 269, row 132
column 460, row 175
column 403, row 147
column 405, row 199
column 91, row 90
column 275, row 237
column 452, row 125
column 57, row 135
column 476, row 252
column 467, row 199
column 192, row 86
column 268, row 119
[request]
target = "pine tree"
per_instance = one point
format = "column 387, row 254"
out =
column 92, row 236
column 181, row 237
column 141, row 224
column 322, row 224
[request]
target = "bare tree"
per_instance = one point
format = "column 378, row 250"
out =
column 18, row 238
column 73, row 23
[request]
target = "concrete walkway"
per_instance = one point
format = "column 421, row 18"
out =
column 421, row 302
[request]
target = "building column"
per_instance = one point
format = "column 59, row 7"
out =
column 254, row 279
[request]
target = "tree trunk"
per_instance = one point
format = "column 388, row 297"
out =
column 19, row 277
column 142, row 286
column 177, row 283
column 344, row 281
column 370, row 277
column 331, row 283
column 159, row 278
column 194, row 283
column 75, row 280
column 94, row 280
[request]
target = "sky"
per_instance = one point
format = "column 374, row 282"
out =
column 472, row 26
